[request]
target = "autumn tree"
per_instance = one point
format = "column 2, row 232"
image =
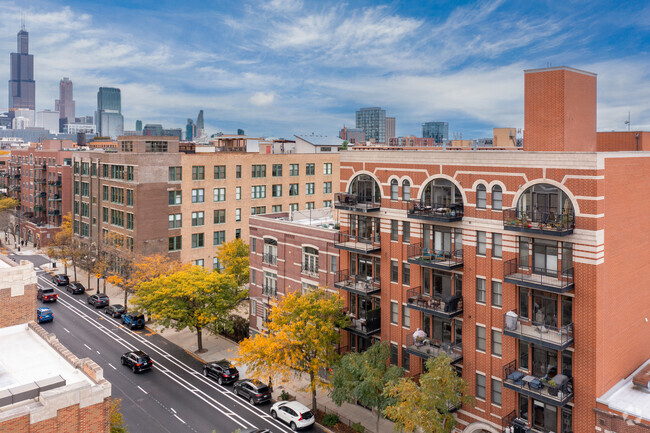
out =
column 233, row 256
column 8, row 204
column 302, row 336
column 62, row 245
column 116, row 419
column 427, row 407
column 362, row 377
column 7, row 215
column 192, row 297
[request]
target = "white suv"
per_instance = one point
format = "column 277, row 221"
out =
column 295, row 414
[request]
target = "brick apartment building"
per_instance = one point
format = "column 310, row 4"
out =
column 161, row 198
column 525, row 266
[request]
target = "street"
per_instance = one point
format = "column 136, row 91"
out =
column 173, row 396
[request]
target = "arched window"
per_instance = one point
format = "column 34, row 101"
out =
column 497, row 198
column 441, row 193
column 394, row 194
column 481, row 197
column 365, row 189
column 406, row 190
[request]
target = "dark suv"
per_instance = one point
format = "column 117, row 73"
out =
column 115, row 310
column 133, row 320
column 252, row 389
column 222, row 370
column 100, row 300
column 46, row 295
column 60, row 280
column 75, row 288
column 137, row 360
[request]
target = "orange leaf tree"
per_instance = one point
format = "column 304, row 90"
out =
column 233, row 256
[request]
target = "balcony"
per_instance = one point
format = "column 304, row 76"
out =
column 270, row 259
column 445, row 307
column 357, row 244
column 54, row 197
column 538, row 278
column 40, row 181
column 357, row 284
column 270, row 290
column 17, row 176
column 39, row 208
column 355, row 203
column 435, row 211
column 557, row 391
column 54, row 183
column 541, row 221
column 40, row 167
column 542, row 334
column 54, row 212
column 426, row 348
column 365, row 326
column 15, row 188
column 436, row 259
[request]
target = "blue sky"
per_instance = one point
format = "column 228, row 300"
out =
column 283, row 67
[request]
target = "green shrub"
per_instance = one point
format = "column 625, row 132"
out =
column 284, row 395
column 357, row 427
column 330, row 420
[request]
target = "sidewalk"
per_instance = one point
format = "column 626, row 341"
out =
column 218, row 347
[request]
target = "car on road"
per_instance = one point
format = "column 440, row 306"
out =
column 297, row 415
column 98, row 301
column 115, row 310
column 46, row 294
column 222, row 370
column 44, row 314
column 60, row 279
column 137, row 360
column 133, row 320
column 75, row 288
column 253, row 390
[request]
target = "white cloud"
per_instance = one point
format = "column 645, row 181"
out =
column 282, row 5
column 262, row 99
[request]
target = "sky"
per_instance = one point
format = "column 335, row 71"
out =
column 281, row 67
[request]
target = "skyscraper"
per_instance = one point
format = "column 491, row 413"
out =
column 373, row 121
column 437, row 130
column 190, row 130
column 390, row 128
column 22, row 87
column 138, row 126
column 65, row 104
column 110, row 122
column 200, row 127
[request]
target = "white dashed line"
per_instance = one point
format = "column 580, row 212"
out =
column 98, row 352
column 140, row 388
column 87, row 347
column 172, row 409
column 179, row 418
column 66, row 330
column 112, row 366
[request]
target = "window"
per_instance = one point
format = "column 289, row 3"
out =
column 496, row 391
column 480, row 338
column 175, row 174
column 277, row 170
column 197, row 195
column 198, row 218
column 294, row 170
column 258, row 210
column 198, row 240
column 253, row 308
column 394, row 189
column 253, row 245
column 393, row 354
column 238, row 214
column 270, row 285
column 155, row 146
column 175, row 221
column 105, row 193
column 406, row 190
column 117, row 195
column 218, row 238
column 129, row 197
column 276, row 190
column 85, row 209
column 85, row 168
column 327, row 168
column 406, row 232
column 496, row 342
column 85, row 189
column 293, row 189
column 480, row 386
column 310, row 188
column 406, row 316
column 258, row 170
column 199, row 262
column 496, row 294
column 175, row 243
column 394, row 313
column 258, row 191
column 480, row 290
column 270, row 251
column 129, row 221
column 310, row 169
column 293, row 207
column 333, row 263
column 310, row 260
column 237, row 193
column 129, row 172
column 310, row 205
column 76, row 187
column 480, row 243
column 497, row 198
column 219, row 194
column 327, row 187
column 238, row 171
column 327, row 203
column 104, row 214
column 198, row 172
column 481, row 194
column 117, row 217
column 104, row 170
column 394, row 271
column 497, row 245
column 406, row 359
column 394, row 230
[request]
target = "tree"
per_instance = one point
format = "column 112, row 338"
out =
column 117, row 422
column 8, row 203
column 362, row 377
column 233, row 256
column 427, row 407
column 302, row 336
column 192, row 297
column 64, row 247
column 7, row 217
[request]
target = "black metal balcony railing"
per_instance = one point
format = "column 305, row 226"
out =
column 539, row 220
column 434, row 304
column 310, row 268
column 549, row 280
column 358, row 244
column 40, row 181
column 445, row 212
column 40, row 167
column 540, row 333
column 17, row 176
column 357, row 203
column 507, row 420
column 437, row 259
column 54, row 197
column 54, row 183
column 14, row 188
column 270, row 259
column 365, row 325
column 556, row 390
column 426, row 348
column 54, row 212
column 269, row 290
column 357, row 284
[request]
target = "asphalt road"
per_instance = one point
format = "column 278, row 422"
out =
column 173, row 396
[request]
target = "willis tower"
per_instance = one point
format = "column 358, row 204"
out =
column 21, row 83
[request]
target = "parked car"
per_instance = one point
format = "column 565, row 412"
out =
column 137, row 360
column 60, row 279
column 98, row 301
column 223, row 371
column 44, row 314
column 255, row 391
column 297, row 415
column 75, row 288
column 46, row 294
column 133, row 320
column 115, row 310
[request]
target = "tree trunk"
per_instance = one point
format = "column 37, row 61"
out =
column 65, row 268
column 126, row 294
column 199, row 338
column 312, row 384
column 74, row 267
column 378, row 418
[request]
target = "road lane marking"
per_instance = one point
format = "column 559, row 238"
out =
column 87, row 346
column 172, row 409
column 111, row 365
column 179, row 418
column 140, row 388
column 98, row 352
column 66, row 330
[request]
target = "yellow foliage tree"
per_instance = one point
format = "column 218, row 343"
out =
column 8, row 203
column 233, row 256
column 303, row 333
column 63, row 247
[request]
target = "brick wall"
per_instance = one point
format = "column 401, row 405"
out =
column 17, row 293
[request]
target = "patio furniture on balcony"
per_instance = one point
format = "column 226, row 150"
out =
column 346, row 201
column 436, row 259
column 443, row 212
column 538, row 278
column 365, row 325
column 556, row 390
column 426, row 348
column 445, row 307
column 539, row 220
column 357, row 244
column 361, row 285
column 540, row 333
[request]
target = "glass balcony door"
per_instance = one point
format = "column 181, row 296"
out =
column 545, row 257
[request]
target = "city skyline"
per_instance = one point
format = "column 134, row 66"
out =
column 282, row 67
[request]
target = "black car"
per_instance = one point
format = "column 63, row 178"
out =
column 222, row 370
column 137, row 360
column 115, row 310
column 253, row 390
column 46, row 294
column 60, row 280
column 133, row 320
column 98, row 301
column 75, row 288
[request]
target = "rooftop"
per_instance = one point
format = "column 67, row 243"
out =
column 318, row 218
column 320, row 140
column 629, row 399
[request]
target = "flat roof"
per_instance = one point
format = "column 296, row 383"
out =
column 320, row 218
column 626, row 398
